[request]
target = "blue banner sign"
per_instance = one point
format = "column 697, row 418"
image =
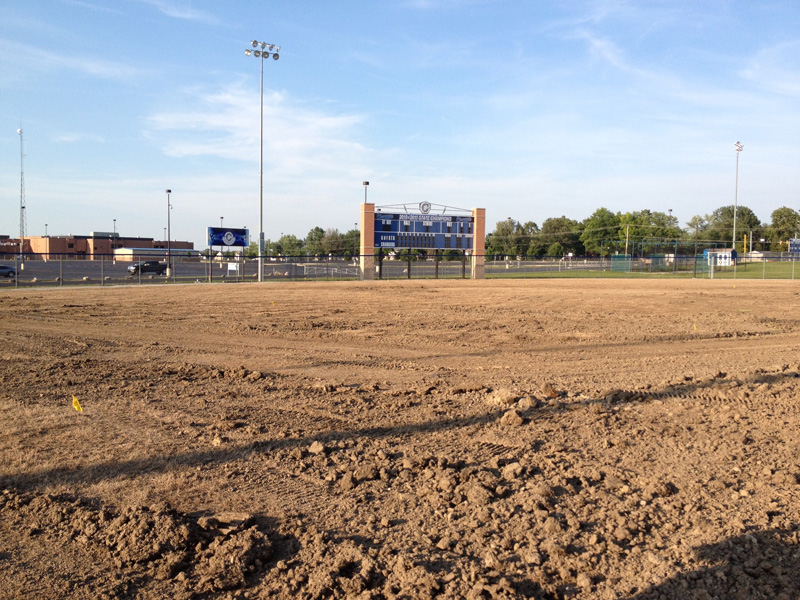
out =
column 435, row 232
column 226, row 236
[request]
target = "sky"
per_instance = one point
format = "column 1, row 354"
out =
column 530, row 109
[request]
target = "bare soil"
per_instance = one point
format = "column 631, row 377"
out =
column 415, row 439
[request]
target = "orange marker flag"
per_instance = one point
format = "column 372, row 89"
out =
column 76, row 405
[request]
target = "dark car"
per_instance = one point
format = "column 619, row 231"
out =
column 148, row 266
column 6, row 271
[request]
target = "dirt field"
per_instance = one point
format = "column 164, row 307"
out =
column 415, row 439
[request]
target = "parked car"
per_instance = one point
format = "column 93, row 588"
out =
column 6, row 271
column 148, row 266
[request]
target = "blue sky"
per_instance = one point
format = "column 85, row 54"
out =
column 530, row 109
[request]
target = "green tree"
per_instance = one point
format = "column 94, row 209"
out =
column 785, row 225
column 251, row 251
column 352, row 243
column 312, row 245
column 696, row 226
column 720, row 223
column 271, row 248
column 648, row 231
column 602, row 225
column 507, row 239
column 564, row 231
column 291, row 245
column 555, row 249
column 532, row 241
column 331, row 242
column 452, row 254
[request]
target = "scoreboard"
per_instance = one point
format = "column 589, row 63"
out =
column 794, row 245
column 414, row 231
column 219, row 236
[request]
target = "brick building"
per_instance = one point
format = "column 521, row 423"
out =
column 90, row 247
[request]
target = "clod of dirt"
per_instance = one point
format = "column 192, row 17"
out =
column 511, row 418
column 316, row 447
column 502, row 397
column 229, row 559
column 548, row 391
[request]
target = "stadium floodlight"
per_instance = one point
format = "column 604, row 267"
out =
column 265, row 52
column 169, row 235
column 739, row 147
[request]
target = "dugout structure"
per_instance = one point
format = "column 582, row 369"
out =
column 432, row 228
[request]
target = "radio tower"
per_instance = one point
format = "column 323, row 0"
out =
column 22, row 223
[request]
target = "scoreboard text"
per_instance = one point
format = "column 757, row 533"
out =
column 439, row 232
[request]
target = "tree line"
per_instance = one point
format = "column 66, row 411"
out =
column 601, row 234
column 606, row 232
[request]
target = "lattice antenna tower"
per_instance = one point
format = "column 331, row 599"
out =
column 22, row 220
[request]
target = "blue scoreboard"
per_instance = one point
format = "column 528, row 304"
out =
column 435, row 232
column 794, row 245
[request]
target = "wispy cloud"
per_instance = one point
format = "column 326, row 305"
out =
column 776, row 68
column 92, row 6
column 34, row 58
column 445, row 4
column 77, row 137
column 182, row 10
column 226, row 124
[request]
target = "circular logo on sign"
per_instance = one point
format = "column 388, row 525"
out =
column 229, row 238
column 425, row 207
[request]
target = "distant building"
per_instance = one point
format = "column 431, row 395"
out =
column 90, row 247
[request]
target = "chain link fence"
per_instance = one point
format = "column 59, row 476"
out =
column 35, row 270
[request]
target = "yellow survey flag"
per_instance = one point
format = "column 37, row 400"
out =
column 76, row 405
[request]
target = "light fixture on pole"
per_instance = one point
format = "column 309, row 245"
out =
column 366, row 185
column 169, row 234
column 261, row 51
column 45, row 230
column 739, row 146
column 220, row 222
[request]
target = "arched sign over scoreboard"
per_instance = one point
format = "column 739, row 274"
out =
column 426, row 231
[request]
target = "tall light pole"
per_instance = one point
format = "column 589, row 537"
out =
column 366, row 185
column 45, row 230
column 22, row 219
column 739, row 146
column 115, row 228
column 169, row 234
column 261, row 51
column 220, row 222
